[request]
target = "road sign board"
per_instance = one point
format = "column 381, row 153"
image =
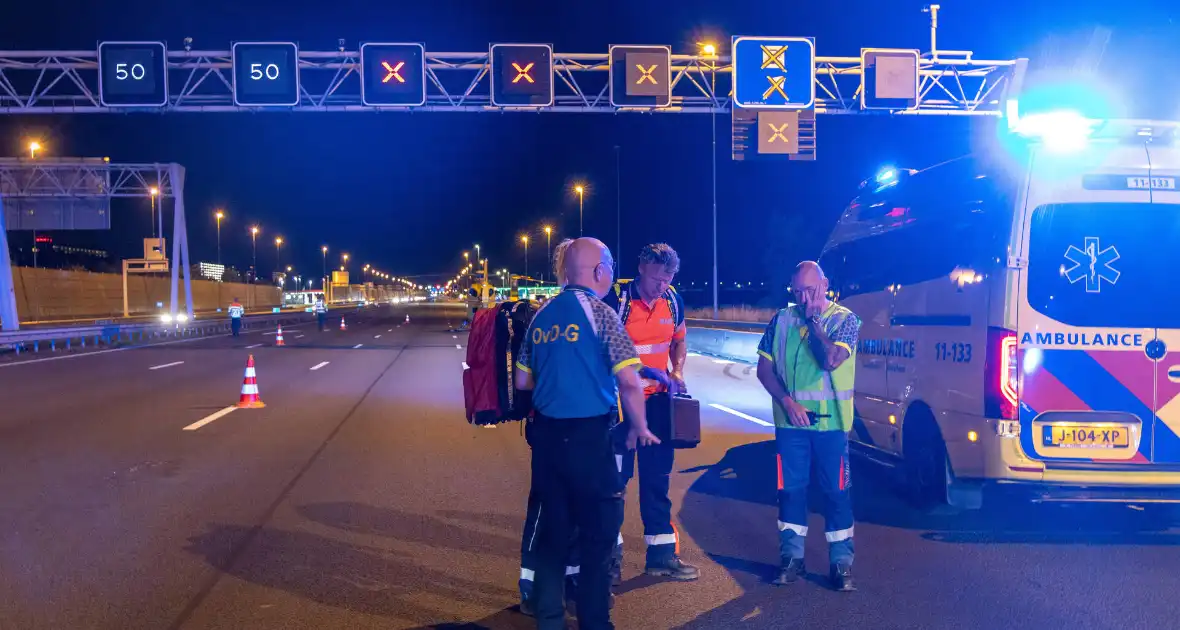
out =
column 393, row 74
column 266, row 74
column 774, row 72
column 522, row 75
column 133, row 74
column 773, row 134
column 888, row 78
column 640, row 76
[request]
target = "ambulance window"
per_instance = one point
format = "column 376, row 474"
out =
column 1106, row 264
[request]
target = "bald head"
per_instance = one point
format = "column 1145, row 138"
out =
column 587, row 262
column 809, row 284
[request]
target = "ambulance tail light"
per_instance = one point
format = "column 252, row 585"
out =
column 1002, row 374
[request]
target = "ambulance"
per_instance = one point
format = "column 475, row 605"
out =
column 1021, row 326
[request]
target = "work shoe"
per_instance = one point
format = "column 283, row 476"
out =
column 790, row 572
column 841, row 574
column 615, row 569
column 672, row 567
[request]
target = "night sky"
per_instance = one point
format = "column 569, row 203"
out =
column 408, row 192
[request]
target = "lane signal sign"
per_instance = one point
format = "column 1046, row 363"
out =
column 521, row 75
column 774, row 72
column 640, row 76
column 393, row 74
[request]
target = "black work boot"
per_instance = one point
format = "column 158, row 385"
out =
column 672, row 567
column 789, row 572
column 841, row 574
column 615, row 568
column 526, row 598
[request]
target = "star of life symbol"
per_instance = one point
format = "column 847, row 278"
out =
column 1093, row 264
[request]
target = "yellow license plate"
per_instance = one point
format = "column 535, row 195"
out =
column 1083, row 436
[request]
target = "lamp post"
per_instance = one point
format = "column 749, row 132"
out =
column 324, row 250
column 220, row 215
column 525, row 239
column 709, row 50
column 155, row 192
column 254, row 242
column 34, row 147
column 548, row 249
column 278, row 245
column 581, row 190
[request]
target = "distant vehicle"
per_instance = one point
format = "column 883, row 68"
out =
column 1017, row 326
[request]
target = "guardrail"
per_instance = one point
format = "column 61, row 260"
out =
column 736, row 341
column 39, row 339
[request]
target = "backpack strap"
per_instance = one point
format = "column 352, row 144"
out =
column 674, row 306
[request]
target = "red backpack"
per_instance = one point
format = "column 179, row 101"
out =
column 489, row 392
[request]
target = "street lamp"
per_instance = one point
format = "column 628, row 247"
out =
column 254, row 242
column 220, row 215
column 525, row 239
column 581, row 190
column 324, row 250
column 710, row 50
column 34, row 147
column 477, row 251
column 278, row 244
column 548, row 248
column 155, row 192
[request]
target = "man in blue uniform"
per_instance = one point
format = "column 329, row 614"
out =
column 235, row 317
column 578, row 360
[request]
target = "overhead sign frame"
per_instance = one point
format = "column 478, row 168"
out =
column 738, row 97
column 294, row 68
column 365, row 74
column 667, row 76
column 160, row 66
column 494, row 71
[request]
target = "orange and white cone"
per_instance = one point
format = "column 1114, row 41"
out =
column 342, row 326
column 279, row 337
column 250, row 399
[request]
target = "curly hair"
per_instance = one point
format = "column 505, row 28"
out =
column 660, row 254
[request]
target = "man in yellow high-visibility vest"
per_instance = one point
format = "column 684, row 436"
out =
column 807, row 364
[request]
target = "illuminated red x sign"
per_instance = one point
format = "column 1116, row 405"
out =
column 523, row 73
column 394, row 71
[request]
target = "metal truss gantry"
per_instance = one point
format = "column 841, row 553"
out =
column 46, row 82
column 86, row 179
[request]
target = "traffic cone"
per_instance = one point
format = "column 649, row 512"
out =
column 250, row 399
column 279, row 337
column 342, row 326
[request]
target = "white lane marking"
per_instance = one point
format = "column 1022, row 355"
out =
column 722, row 361
column 741, row 415
column 376, row 336
column 390, row 330
column 357, row 346
column 166, row 365
column 319, row 365
column 268, row 333
column 299, row 336
column 257, row 345
column 454, row 336
column 210, row 418
column 465, row 366
column 458, row 347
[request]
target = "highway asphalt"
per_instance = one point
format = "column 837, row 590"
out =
column 360, row 498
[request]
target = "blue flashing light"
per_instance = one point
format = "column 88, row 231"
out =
column 886, row 175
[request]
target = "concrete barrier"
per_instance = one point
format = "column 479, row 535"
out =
column 52, row 294
column 735, row 345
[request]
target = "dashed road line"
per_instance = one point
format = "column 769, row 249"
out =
column 743, row 416
column 357, row 346
column 210, row 418
column 319, row 365
column 166, row 365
